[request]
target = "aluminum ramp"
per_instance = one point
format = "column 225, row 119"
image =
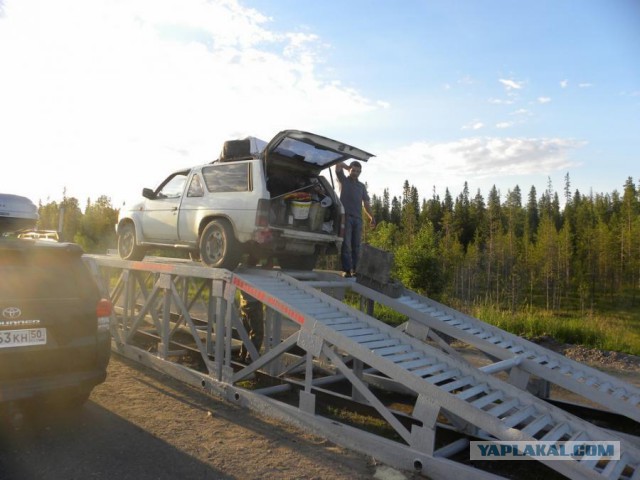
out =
column 597, row 386
column 334, row 331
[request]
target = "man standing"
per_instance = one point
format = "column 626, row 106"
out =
column 353, row 195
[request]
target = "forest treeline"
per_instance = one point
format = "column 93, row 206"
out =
column 505, row 250
column 516, row 252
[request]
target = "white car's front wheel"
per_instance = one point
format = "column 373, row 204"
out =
column 127, row 248
column 218, row 246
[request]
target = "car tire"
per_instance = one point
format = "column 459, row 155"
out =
column 218, row 245
column 298, row 262
column 127, row 248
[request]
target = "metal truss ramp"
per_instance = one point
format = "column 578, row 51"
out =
column 315, row 340
column 592, row 384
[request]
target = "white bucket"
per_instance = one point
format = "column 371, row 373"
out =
column 300, row 210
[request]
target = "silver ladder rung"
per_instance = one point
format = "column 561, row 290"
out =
column 345, row 327
column 463, row 382
column 487, row 399
column 537, row 425
column 428, row 371
column 472, row 392
column 503, row 407
column 363, row 339
column 416, row 363
column 615, row 467
column 324, row 317
column 519, row 417
column 556, row 433
column 619, row 393
column 338, row 321
column 443, row 376
column 578, row 436
column 401, row 357
column 590, row 464
column 395, row 349
column 391, row 342
column 591, row 381
column 357, row 332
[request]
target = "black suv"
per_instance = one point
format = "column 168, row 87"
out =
column 54, row 326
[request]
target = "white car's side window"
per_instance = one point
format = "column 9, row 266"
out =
column 227, row 177
column 195, row 187
column 173, row 188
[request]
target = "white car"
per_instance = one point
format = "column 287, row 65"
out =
column 258, row 199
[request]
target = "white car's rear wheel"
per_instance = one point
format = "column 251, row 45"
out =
column 218, row 246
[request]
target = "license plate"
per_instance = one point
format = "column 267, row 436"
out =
column 23, row 338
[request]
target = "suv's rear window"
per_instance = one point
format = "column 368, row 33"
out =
column 310, row 153
column 227, row 177
column 31, row 274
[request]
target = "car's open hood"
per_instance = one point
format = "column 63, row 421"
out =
column 311, row 149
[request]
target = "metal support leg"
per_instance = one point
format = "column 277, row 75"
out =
column 423, row 437
column 308, row 399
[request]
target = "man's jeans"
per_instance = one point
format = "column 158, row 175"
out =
column 351, row 243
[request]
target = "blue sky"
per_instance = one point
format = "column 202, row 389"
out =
column 104, row 97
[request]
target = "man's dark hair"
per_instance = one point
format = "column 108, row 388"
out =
column 355, row 163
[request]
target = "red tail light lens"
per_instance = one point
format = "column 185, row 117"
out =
column 262, row 215
column 104, row 308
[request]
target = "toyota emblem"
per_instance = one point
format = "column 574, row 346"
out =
column 11, row 312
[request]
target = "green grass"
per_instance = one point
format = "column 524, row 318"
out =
column 617, row 331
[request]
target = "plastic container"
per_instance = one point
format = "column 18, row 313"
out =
column 300, row 210
column 316, row 216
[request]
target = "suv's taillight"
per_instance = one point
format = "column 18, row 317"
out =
column 103, row 312
column 262, row 214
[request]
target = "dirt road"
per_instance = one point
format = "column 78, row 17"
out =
column 143, row 425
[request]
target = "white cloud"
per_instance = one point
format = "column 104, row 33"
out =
column 105, row 97
column 480, row 160
column 475, row 125
column 585, row 85
column 501, row 101
column 544, row 99
column 510, row 84
column 564, row 83
column 502, row 125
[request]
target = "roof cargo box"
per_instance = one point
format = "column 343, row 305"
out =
column 244, row 149
column 16, row 213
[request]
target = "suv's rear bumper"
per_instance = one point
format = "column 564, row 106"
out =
column 13, row 390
